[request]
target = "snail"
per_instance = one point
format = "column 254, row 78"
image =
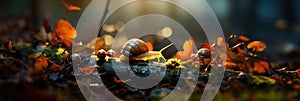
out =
column 137, row 49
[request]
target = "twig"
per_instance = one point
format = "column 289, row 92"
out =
column 104, row 15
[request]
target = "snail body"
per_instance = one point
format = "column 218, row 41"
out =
column 137, row 49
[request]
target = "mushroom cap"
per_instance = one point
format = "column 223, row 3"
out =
column 257, row 46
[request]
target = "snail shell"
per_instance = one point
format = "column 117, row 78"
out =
column 134, row 47
column 204, row 53
column 101, row 54
column 137, row 49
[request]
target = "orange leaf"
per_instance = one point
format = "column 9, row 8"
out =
column 244, row 38
column 117, row 81
column 38, row 66
column 9, row 45
column 298, row 72
column 87, row 70
column 261, row 67
column 71, row 7
column 65, row 30
column 188, row 48
column 183, row 55
column 99, row 44
column 149, row 45
column 41, row 63
column 296, row 86
column 54, row 67
column 230, row 64
column 68, row 43
column 188, row 45
column 44, row 60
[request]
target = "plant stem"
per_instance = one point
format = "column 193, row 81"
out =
column 104, row 15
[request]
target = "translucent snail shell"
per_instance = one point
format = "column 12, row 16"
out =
column 134, row 47
column 137, row 49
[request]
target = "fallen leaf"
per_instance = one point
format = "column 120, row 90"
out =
column 296, row 86
column 65, row 30
column 230, row 64
column 71, row 7
column 54, row 67
column 99, row 44
column 261, row 67
column 9, row 45
column 68, row 43
column 87, row 70
column 41, row 63
column 188, row 48
column 298, row 72
column 244, row 38
column 117, row 80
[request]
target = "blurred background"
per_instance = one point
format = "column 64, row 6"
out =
column 275, row 22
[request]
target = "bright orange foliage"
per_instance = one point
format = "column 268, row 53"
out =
column 71, row 7
column 65, row 30
column 188, row 48
column 117, row 81
column 260, row 67
column 87, row 70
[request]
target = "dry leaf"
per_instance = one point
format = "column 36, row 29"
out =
column 260, row 67
column 117, row 80
column 68, row 43
column 99, row 44
column 54, row 67
column 244, row 38
column 230, row 64
column 9, row 45
column 87, row 70
column 65, row 30
column 188, row 48
column 298, row 72
column 296, row 86
column 41, row 63
column 71, row 7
